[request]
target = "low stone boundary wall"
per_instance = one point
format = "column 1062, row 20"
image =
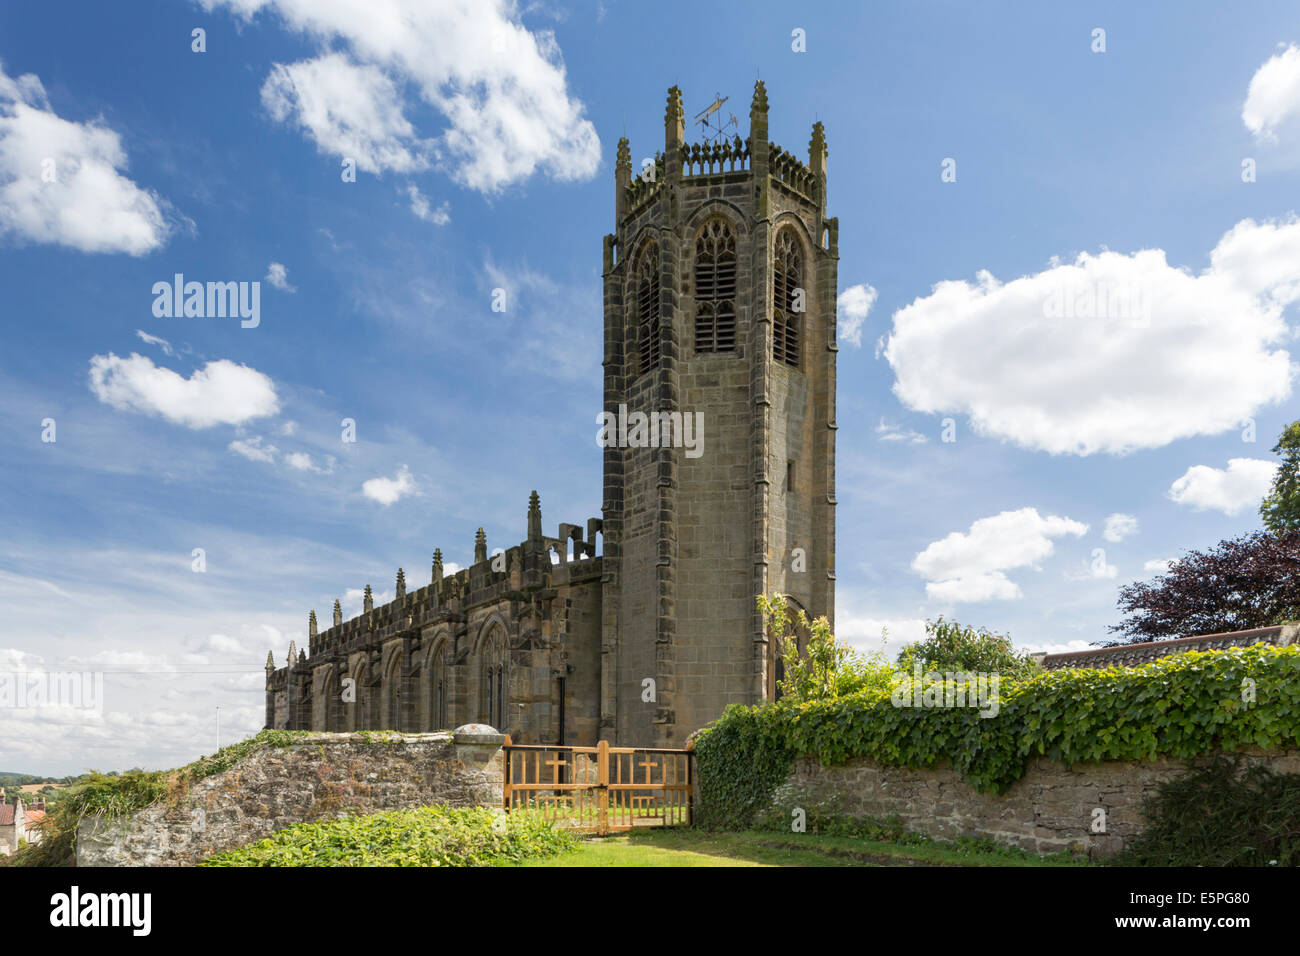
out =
column 319, row 776
column 1052, row 808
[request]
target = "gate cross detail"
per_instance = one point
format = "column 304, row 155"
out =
column 648, row 764
column 556, row 763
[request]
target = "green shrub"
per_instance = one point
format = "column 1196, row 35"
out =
column 228, row 756
column 426, row 836
column 821, row 667
column 738, row 761
column 1220, row 813
column 1182, row 706
column 950, row 647
column 97, row 794
column 116, row 795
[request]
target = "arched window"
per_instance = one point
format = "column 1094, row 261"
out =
column 324, row 700
column 788, row 298
column 438, row 688
column 796, row 639
column 392, row 716
column 494, row 683
column 358, row 709
column 646, row 306
column 715, row 288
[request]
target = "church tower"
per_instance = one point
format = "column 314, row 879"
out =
column 719, row 294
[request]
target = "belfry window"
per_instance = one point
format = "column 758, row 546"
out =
column 788, row 299
column 645, row 298
column 715, row 288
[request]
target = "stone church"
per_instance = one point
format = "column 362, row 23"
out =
column 641, row 626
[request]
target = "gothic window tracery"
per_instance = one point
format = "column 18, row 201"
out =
column 438, row 688
column 715, row 287
column 788, row 298
column 646, row 308
column 494, row 682
column 393, row 696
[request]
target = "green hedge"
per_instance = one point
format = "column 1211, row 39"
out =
column 1181, row 706
column 425, row 836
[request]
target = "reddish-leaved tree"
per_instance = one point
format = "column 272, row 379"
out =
column 1245, row 582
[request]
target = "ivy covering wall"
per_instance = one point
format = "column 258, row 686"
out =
column 1182, row 706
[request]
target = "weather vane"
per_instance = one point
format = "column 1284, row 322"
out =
column 710, row 119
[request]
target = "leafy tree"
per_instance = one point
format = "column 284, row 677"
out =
column 818, row 666
column 1245, row 582
column 950, row 647
column 1281, row 508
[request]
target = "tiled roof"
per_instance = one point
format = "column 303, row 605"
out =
column 1132, row 655
column 34, row 816
column 6, row 815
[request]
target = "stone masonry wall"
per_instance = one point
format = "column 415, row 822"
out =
column 323, row 776
column 1048, row 810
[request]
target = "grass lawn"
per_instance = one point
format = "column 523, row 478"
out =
column 685, row 847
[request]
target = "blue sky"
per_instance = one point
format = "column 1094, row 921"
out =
column 485, row 165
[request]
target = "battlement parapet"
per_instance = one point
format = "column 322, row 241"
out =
column 537, row 563
column 720, row 162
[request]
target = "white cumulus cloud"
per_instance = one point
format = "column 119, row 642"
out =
column 1273, row 97
column 259, row 449
column 61, row 182
column 853, row 305
column 868, row 633
column 970, row 566
column 348, row 110
column 278, row 276
column 220, row 393
column 386, row 491
column 1061, row 361
column 501, row 88
column 301, row 461
column 1243, row 484
column 1119, row 526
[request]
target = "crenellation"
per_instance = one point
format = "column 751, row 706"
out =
column 382, row 649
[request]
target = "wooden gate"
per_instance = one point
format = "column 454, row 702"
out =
column 601, row 789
